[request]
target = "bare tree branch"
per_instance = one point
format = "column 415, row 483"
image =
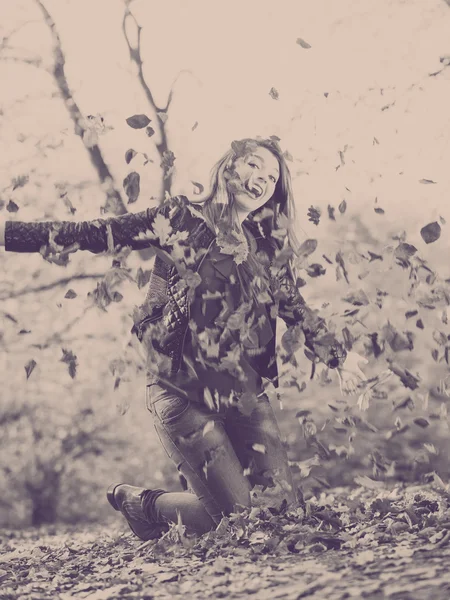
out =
column 32, row 62
column 49, row 286
column 114, row 200
column 7, row 38
column 135, row 55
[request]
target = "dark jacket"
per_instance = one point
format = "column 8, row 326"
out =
column 180, row 236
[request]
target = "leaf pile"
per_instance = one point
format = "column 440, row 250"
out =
column 347, row 543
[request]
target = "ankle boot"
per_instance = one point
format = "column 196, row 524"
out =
column 137, row 506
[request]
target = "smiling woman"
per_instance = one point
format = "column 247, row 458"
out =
column 222, row 274
column 258, row 174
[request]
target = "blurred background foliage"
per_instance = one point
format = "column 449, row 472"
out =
column 359, row 96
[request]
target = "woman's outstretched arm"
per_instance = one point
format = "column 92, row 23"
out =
column 295, row 312
column 135, row 230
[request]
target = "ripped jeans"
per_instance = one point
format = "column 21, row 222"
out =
column 222, row 454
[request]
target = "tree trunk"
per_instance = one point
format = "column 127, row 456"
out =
column 45, row 498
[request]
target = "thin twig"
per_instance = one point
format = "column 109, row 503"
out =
column 49, row 286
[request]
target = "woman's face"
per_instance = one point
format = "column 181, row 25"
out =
column 254, row 179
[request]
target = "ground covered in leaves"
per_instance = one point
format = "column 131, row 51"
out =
column 365, row 542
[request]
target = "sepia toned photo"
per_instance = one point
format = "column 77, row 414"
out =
column 225, row 290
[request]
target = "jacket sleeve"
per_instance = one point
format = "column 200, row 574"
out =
column 93, row 235
column 293, row 309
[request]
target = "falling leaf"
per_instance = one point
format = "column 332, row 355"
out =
column 109, row 239
column 162, row 228
column 194, row 126
column 406, row 377
column 431, row 232
column 138, row 121
column 29, row 367
column 411, row 313
column 431, row 448
column 67, row 203
column 199, row 188
column 259, row 448
column 314, row 214
column 208, row 398
column 20, row 181
column 342, row 207
column 403, row 253
column 358, row 298
column 341, row 263
column 302, row 413
column 293, row 339
column 143, row 277
column 167, row 162
column 12, row 207
column 315, row 270
column 427, row 181
column 288, row 156
column 439, row 337
column 70, row 294
column 149, row 131
column 407, row 402
column 123, row 407
column 331, row 210
column 421, row 422
column 129, row 155
column 307, row 248
column 274, row 94
column 379, row 211
column 301, row 42
column 397, row 340
column 131, row 185
column 209, row 426
column 71, row 360
column 364, row 400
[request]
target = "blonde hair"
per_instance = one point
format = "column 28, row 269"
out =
column 218, row 209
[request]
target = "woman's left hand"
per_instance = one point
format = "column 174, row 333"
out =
column 350, row 375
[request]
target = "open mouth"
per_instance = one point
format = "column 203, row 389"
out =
column 254, row 189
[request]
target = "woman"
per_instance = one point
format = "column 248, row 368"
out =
column 222, row 274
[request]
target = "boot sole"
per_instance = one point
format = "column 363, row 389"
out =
column 110, row 495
